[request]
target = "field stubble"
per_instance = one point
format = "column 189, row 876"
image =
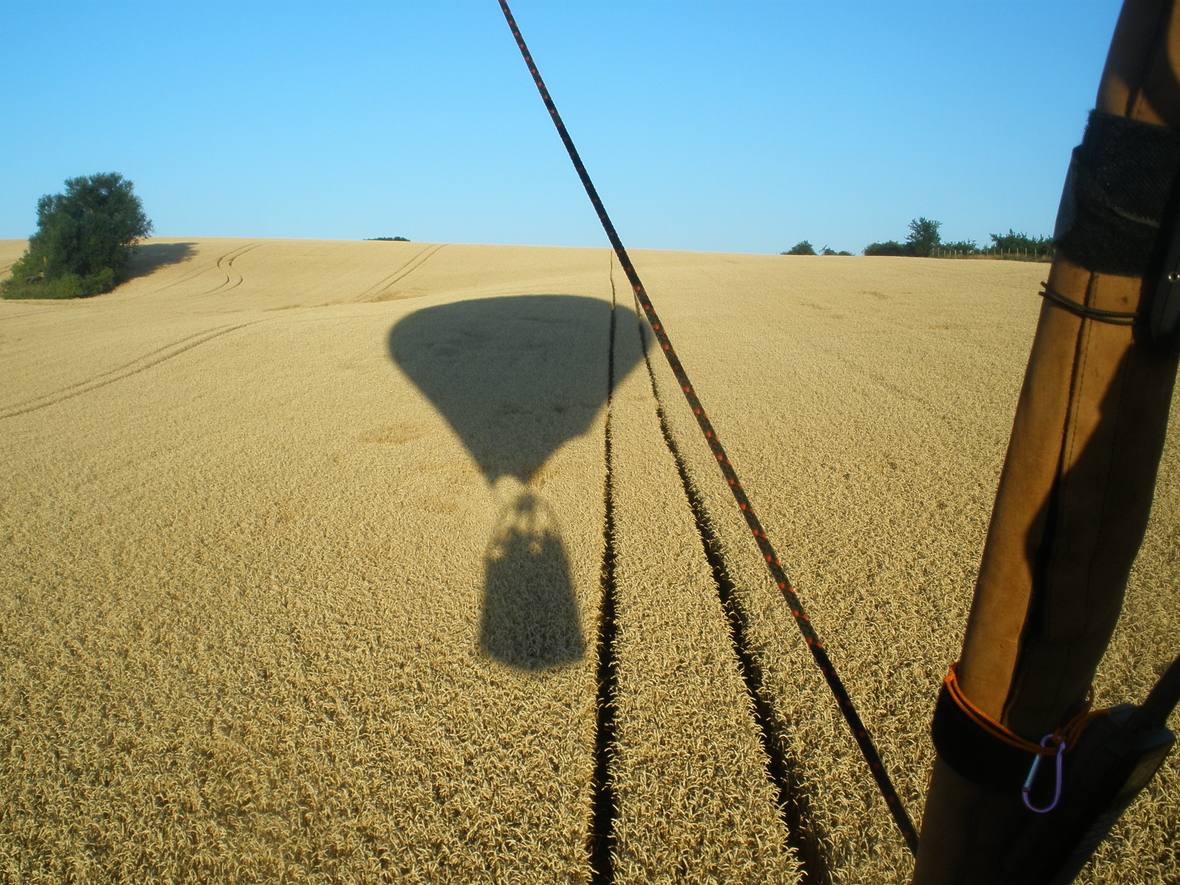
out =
column 870, row 432
column 257, row 613
column 690, row 775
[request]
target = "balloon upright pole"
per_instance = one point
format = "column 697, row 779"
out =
column 1079, row 475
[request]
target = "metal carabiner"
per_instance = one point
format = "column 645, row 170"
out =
column 1032, row 776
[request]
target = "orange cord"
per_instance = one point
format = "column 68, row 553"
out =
column 1067, row 733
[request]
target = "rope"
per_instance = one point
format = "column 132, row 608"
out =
column 769, row 556
column 1114, row 317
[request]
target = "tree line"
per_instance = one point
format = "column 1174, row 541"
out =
column 925, row 241
column 803, row 247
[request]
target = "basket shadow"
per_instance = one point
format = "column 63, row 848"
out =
column 529, row 619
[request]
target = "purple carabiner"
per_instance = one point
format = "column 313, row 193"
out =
column 1032, row 775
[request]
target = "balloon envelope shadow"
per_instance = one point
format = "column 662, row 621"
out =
column 516, row 377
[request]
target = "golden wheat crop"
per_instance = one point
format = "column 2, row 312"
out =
column 690, row 779
column 303, row 546
column 867, row 405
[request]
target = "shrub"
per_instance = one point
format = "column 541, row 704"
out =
column 83, row 240
column 801, row 248
column 1022, row 243
column 889, row 247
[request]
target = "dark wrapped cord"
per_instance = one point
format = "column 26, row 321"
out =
column 1114, row 317
column 778, row 574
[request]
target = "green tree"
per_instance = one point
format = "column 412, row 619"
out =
column 801, row 248
column 923, row 236
column 889, row 247
column 83, row 240
column 1021, row 243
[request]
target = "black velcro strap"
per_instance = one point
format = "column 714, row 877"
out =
column 1116, row 191
column 972, row 752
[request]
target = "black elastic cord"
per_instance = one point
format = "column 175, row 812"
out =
column 1114, row 317
column 859, row 732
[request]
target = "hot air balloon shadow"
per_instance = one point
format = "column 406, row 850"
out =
column 516, row 377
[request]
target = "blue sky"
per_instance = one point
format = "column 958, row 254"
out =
column 710, row 126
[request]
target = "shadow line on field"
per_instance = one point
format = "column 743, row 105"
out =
column 802, row 833
column 147, row 258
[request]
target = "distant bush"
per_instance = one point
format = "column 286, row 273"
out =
column 924, row 241
column 801, row 248
column 83, row 240
column 923, row 237
column 389, row 239
column 889, row 247
column 69, row 285
column 1022, row 244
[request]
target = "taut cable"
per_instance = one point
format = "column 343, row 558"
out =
column 777, row 573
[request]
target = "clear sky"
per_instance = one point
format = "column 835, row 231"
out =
column 722, row 126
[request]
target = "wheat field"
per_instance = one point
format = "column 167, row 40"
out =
column 305, row 546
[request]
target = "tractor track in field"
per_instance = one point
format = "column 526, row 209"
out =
column 226, row 265
column 119, row 373
column 792, row 799
column 600, row 839
column 231, row 255
column 374, row 292
column 27, row 313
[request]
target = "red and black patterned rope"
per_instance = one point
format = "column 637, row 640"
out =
column 770, row 557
